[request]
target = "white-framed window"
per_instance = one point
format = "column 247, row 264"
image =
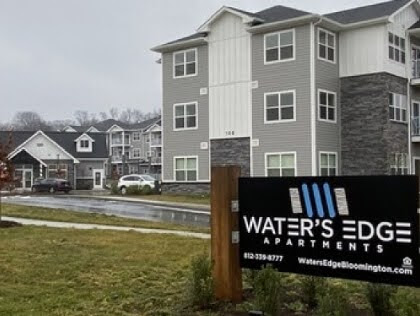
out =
column 185, row 63
column 328, row 164
column 399, row 164
column 136, row 136
column 326, row 45
column 397, row 107
column 327, row 106
column 185, row 116
column 136, row 152
column 186, row 168
column 57, row 171
column 279, row 46
column 280, row 164
column 280, row 106
column 396, row 48
column 84, row 143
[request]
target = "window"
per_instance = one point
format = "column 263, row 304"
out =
column 186, row 168
column 397, row 107
column 327, row 164
column 136, row 153
column 185, row 116
column 326, row 45
column 84, row 143
column 57, row 171
column 279, row 46
column 280, row 106
column 327, row 106
column 280, row 164
column 185, row 63
column 415, row 121
column 399, row 164
column 396, row 48
column 136, row 136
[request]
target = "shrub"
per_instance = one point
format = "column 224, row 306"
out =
column 406, row 302
column 333, row 302
column 133, row 190
column 312, row 289
column 114, row 187
column 267, row 290
column 146, row 190
column 200, row 282
column 379, row 298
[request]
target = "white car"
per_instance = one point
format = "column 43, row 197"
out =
column 135, row 180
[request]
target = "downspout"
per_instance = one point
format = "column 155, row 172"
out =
column 313, row 97
column 409, row 76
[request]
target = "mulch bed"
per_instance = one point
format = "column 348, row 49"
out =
column 9, row 224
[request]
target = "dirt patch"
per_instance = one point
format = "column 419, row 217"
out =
column 9, row 224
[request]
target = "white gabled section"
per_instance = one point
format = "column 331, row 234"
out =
column 114, row 128
column 84, row 136
column 92, row 129
column 15, row 153
column 246, row 18
column 69, row 129
column 44, row 148
column 229, row 78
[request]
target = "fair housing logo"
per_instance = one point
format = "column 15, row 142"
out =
column 318, row 222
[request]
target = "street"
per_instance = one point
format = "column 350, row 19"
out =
column 117, row 208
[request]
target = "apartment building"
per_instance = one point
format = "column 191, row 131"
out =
column 132, row 148
column 284, row 92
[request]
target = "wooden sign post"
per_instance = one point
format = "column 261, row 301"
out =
column 224, row 237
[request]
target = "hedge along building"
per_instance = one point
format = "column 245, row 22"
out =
column 77, row 157
column 283, row 92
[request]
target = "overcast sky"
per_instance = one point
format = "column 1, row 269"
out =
column 59, row 56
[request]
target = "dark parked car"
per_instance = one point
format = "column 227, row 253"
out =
column 51, row 185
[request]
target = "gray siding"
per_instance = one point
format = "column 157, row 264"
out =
column 415, row 147
column 85, row 168
column 327, row 78
column 185, row 143
column 282, row 137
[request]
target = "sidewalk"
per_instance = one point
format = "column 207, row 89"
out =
column 35, row 222
column 191, row 206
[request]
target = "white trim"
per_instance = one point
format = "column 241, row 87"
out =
column 92, row 159
column 279, row 93
column 84, row 135
column 175, row 129
column 102, row 171
column 185, row 157
column 92, row 129
column 327, row 46
column 114, row 126
column 328, row 153
column 69, row 129
column 49, row 139
column 185, row 51
column 278, row 24
column 327, row 106
column 313, row 99
column 179, row 44
column 280, row 154
column 205, row 27
column 414, row 159
column 13, row 154
column 278, row 33
column 392, row 16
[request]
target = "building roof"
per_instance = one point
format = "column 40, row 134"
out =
column 281, row 13
column 415, row 25
column 369, row 12
column 65, row 139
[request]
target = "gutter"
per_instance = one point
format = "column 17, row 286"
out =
column 169, row 47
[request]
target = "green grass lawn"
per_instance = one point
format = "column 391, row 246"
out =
column 91, row 218
column 190, row 199
column 46, row 271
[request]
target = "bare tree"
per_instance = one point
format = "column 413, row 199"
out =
column 103, row 116
column 29, row 121
column 114, row 113
column 84, row 118
column 58, row 125
column 6, row 167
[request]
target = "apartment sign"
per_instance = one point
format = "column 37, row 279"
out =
column 363, row 228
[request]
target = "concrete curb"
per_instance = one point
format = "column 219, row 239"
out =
column 52, row 224
column 204, row 208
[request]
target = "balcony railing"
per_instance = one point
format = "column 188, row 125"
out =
column 416, row 69
column 415, row 126
column 156, row 160
column 156, row 142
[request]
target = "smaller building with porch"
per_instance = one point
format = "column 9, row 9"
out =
column 79, row 158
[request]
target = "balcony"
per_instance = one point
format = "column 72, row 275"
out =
column 415, row 129
column 415, row 80
column 156, row 160
column 156, row 142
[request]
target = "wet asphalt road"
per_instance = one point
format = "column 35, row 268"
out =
column 118, row 208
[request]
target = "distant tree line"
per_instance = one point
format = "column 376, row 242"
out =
column 32, row 121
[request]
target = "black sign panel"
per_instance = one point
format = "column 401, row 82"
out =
column 364, row 228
